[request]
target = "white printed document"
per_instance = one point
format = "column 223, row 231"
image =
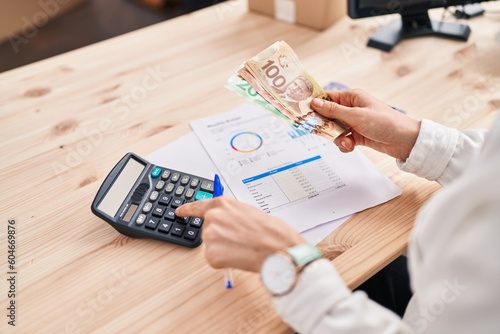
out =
column 301, row 178
column 186, row 154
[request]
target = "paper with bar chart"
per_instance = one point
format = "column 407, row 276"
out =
column 302, row 178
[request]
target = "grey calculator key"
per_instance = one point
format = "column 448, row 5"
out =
column 175, row 177
column 147, row 207
column 194, row 183
column 207, row 186
column 169, row 188
column 140, row 219
column 189, row 193
column 153, row 196
column 160, row 185
column 184, row 180
column 179, row 190
column 165, row 174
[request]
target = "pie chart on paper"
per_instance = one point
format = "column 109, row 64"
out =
column 246, row 142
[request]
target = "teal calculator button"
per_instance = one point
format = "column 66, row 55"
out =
column 155, row 172
column 202, row 195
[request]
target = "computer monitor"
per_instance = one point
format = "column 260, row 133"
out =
column 414, row 20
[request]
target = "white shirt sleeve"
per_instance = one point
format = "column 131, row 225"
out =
column 453, row 254
column 454, row 248
column 321, row 303
column 441, row 154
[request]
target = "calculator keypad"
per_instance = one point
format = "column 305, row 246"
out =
column 165, row 175
column 191, row 233
column 153, row 196
column 175, row 177
column 185, row 180
column 140, row 219
column 179, row 191
column 165, row 226
column 152, row 223
column 160, row 185
column 171, row 189
column 147, row 207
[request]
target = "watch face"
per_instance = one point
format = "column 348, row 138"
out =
column 278, row 274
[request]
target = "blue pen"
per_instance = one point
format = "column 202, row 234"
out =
column 218, row 191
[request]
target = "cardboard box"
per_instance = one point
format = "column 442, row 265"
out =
column 317, row 14
column 21, row 19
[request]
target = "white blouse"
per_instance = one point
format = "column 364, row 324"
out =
column 453, row 254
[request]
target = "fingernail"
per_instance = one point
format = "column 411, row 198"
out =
column 343, row 143
column 318, row 102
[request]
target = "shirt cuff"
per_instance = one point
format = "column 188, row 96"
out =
column 319, row 286
column 432, row 152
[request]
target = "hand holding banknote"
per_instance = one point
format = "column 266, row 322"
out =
column 277, row 76
column 373, row 123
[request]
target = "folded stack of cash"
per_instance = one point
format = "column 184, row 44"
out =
column 275, row 80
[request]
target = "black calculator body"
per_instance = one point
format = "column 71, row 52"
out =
column 139, row 199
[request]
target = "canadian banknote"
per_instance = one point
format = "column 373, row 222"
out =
column 278, row 77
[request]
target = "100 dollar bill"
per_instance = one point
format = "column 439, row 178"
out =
column 275, row 80
column 279, row 71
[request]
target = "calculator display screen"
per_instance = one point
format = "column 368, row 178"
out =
column 121, row 187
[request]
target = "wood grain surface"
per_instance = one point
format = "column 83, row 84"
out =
column 67, row 120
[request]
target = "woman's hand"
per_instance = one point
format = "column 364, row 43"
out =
column 373, row 123
column 238, row 235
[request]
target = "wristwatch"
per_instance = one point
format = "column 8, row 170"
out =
column 280, row 271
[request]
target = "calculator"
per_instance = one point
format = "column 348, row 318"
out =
column 139, row 200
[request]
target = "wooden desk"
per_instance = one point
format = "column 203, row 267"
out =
column 67, row 120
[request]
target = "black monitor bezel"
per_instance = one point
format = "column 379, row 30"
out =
column 355, row 12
